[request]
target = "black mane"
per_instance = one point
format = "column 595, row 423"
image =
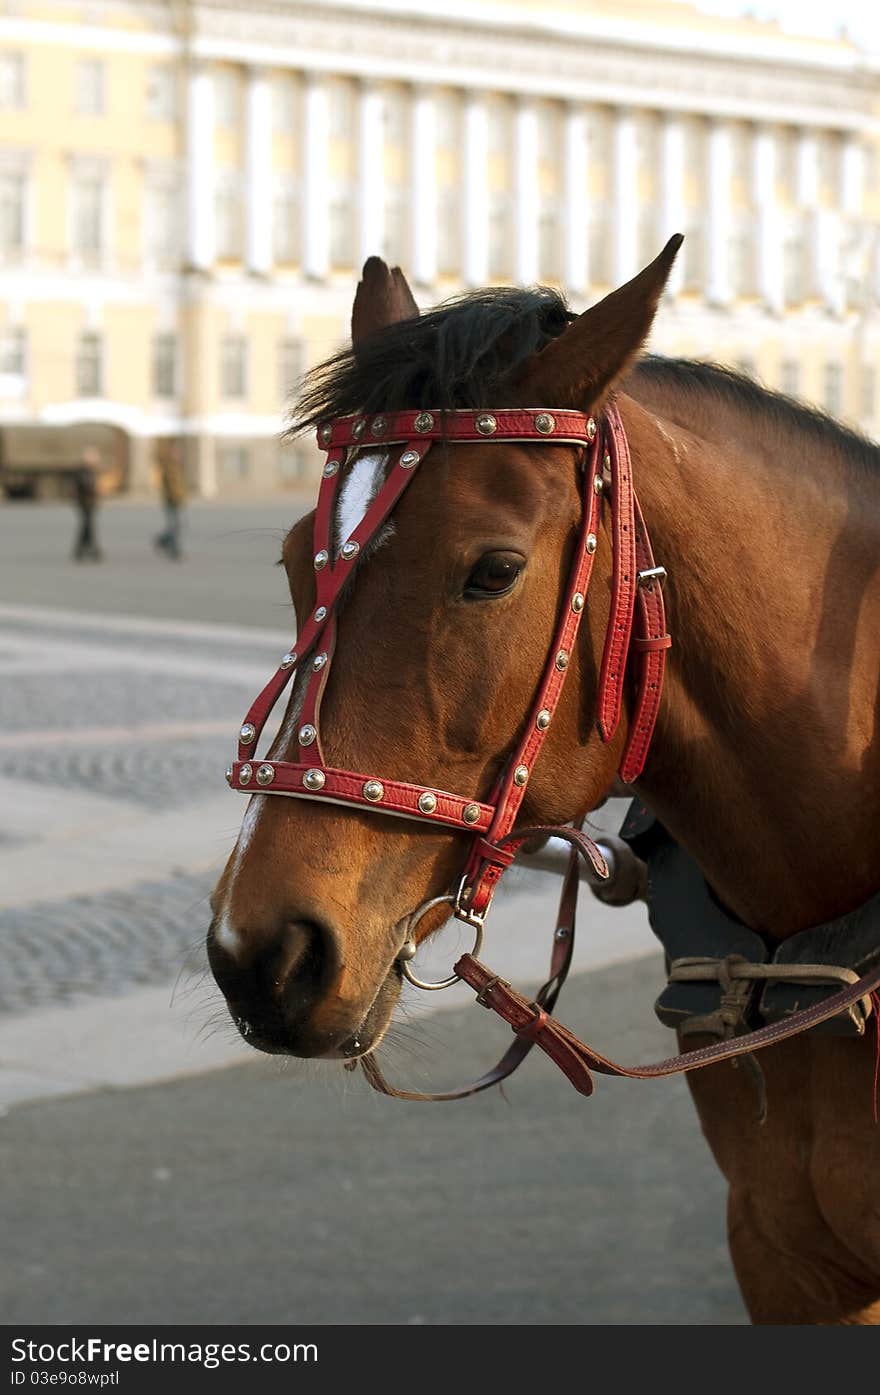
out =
column 463, row 353
column 783, row 413
column 466, row 353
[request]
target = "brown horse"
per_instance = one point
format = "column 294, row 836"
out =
column 765, row 764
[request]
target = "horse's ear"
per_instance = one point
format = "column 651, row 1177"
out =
column 383, row 297
column 582, row 364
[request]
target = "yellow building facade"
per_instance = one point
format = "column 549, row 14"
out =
column 188, row 189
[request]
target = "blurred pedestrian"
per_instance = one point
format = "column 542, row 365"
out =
column 172, row 487
column 85, row 497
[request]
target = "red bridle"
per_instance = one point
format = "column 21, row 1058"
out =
column 635, row 643
column 636, row 596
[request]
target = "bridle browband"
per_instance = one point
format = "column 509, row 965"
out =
column 636, row 642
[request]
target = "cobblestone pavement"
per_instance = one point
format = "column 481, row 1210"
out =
column 61, row 950
column 95, row 946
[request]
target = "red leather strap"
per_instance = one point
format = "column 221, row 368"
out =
column 512, row 424
column 482, row 870
column 649, row 646
column 566, row 1049
column 529, row 1031
column 623, row 584
column 347, row 787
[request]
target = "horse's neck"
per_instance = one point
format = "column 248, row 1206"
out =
column 766, row 758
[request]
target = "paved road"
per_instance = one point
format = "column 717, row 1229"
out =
column 155, row 1170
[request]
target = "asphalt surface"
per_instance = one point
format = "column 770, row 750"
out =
column 260, row 1194
column 155, row 1180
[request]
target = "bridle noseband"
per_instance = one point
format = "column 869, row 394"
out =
column 635, row 648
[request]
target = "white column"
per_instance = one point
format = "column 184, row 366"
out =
column 720, row 170
column 371, row 174
column 625, row 200
column 807, row 198
column 476, row 191
column 672, row 212
column 527, row 196
column 316, row 240
column 576, row 232
column 768, row 234
column 200, row 233
column 258, row 179
column 423, row 182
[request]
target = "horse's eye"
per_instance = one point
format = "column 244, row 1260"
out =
column 494, row 575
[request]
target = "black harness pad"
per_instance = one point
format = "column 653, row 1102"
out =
column 691, row 923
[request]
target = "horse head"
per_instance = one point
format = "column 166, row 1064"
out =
column 441, row 637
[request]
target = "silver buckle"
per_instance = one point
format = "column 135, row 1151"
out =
column 472, row 918
column 651, row 574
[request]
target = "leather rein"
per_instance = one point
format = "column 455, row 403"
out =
column 636, row 642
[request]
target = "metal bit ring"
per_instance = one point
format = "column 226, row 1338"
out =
column 408, row 950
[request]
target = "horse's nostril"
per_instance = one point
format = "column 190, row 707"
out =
column 275, row 978
column 303, row 961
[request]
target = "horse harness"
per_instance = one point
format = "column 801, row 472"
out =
column 635, row 646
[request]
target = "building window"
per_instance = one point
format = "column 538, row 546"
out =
column 500, row 122
column 448, row 232
column 228, row 215
column 786, row 160
column 87, row 222
column 12, row 205
column 794, row 267
column 449, row 121
column 741, row 260
column 833, row 388
column 284, row 94
column 790, row 381
column 548, row 240
column 695, row 146
column 647, row 132
column 395, row 226
column 161, row 100
column 233, row 366
column 165, row 365
column 830, row 164
column 341, row 216
column 234, row 462
column 13, row 353
column 12, row 72
column 90, row 87
column 648, row 239
column 694, row 273
column 340, row 102
column 285, row 243
column 292, row 465
column 162, row 240
column 227, row 97
column 548, row 120
column 89, row 375
column 394, row 114
column 499, row 235
column 291, row 364
column 869, row 391
column 740, row 151
column 597, row 243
